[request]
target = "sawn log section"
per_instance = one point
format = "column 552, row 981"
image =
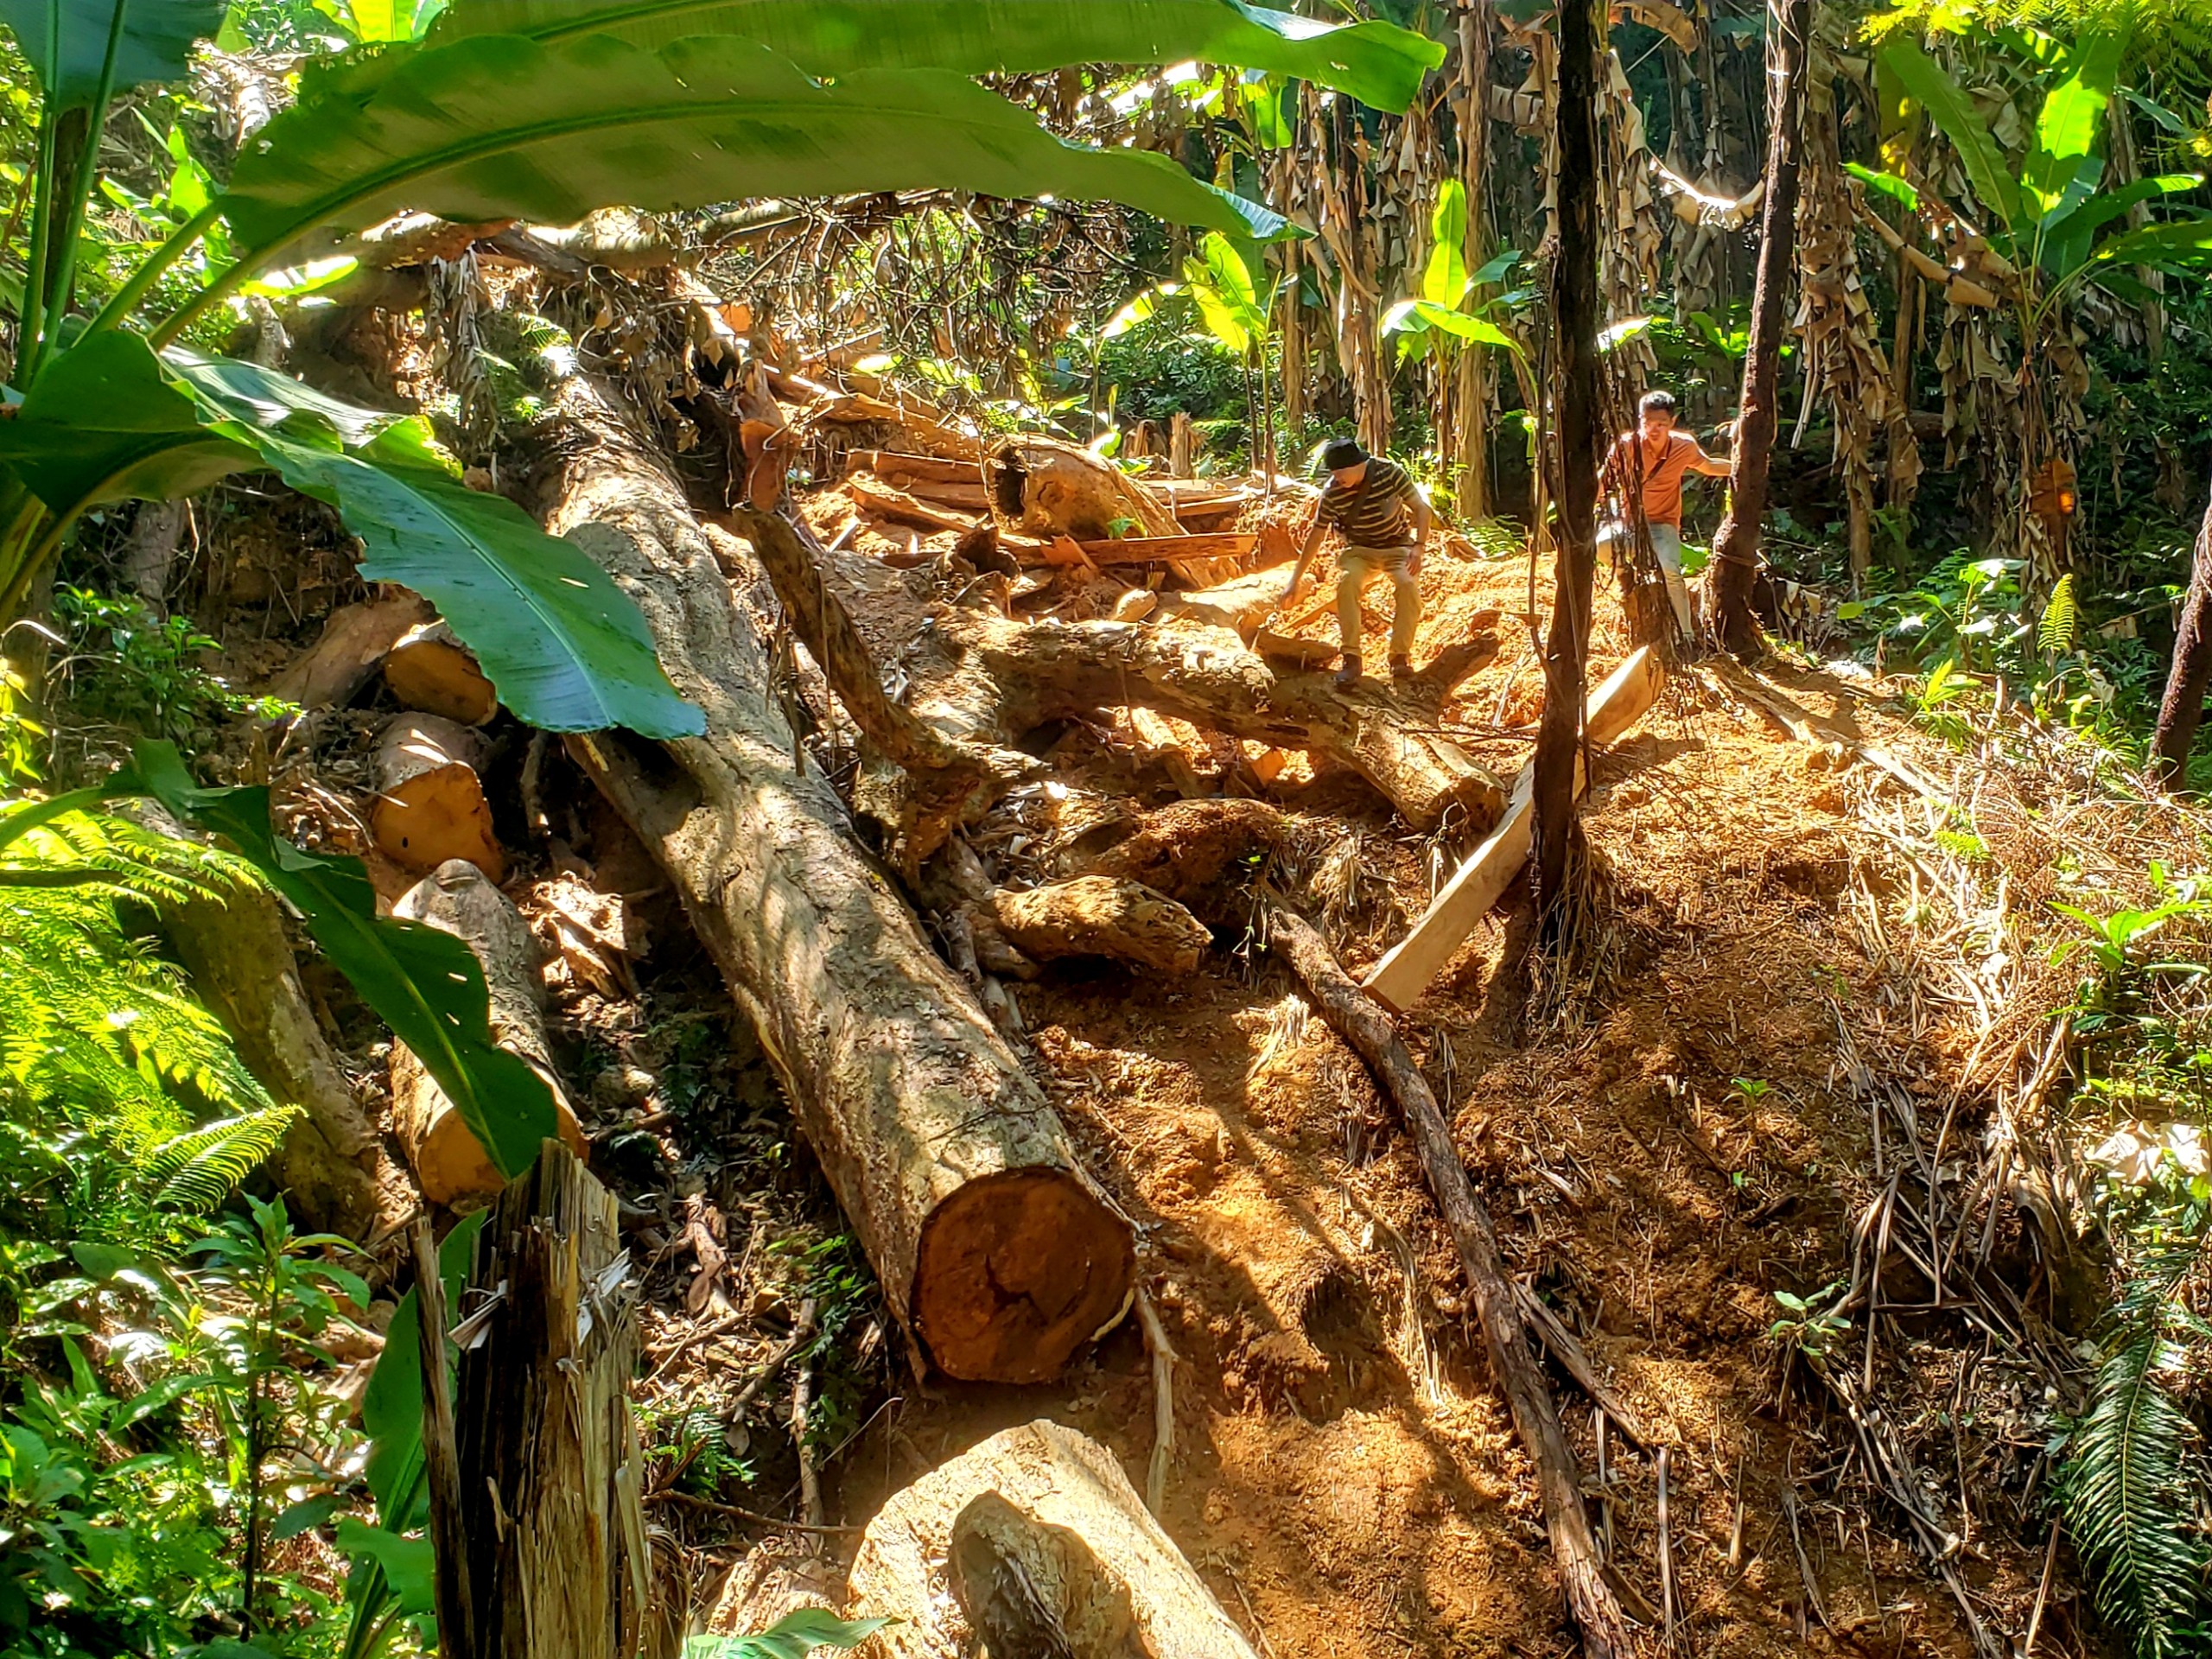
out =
column 994, row 1250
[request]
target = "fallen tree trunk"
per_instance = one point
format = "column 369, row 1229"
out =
column 1102, row 916
column 976, row 682
column 242, row 969
column 998, row 1255
column 354, row 641
column 460, row 899
column 1047, row 488
column 1046, row 1550
column 1366, row 1029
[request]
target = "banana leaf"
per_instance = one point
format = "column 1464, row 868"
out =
column 426, row 985
column 496, row 126
column 108, row 421
column 156, row 43
column 1377, row 63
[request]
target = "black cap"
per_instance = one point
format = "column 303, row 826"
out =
column 1342, row 453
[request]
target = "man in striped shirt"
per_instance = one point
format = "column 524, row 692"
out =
column 1384, row 519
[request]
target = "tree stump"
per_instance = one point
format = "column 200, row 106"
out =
column 550, row 1470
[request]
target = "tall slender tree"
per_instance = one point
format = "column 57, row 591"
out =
column 2183, row 709
column 1575, row 321
column 1736, row 550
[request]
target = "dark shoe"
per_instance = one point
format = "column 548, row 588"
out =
column 1402, row 668
column 1348, row 674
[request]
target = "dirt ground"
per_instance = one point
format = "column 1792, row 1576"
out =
column 1663, row 1142
column 1667, row 1131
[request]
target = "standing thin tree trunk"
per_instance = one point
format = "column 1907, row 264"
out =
column 1736, row 550
column 1574, row 317
column 1472, row 401
column 2183, row 709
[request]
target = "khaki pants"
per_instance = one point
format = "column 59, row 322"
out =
column 1619, row 537
column 1360, row 563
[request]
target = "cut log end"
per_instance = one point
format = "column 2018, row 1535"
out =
column 431, row 804
column 1016, row 1271
column 430, row 671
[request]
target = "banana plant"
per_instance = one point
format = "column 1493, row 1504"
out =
column 1451, row 311
column 544, row 110
column 2045, row 218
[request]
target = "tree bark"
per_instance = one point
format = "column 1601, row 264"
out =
column 2183, row 709
column 459, row 898
column 1736, row 549
column 242, row 969
column 1367, row 1030
column 977, row 682
column 1100, row 916
column 550, row 1470
column 1576, row 306
column 1046, row 1549
column 999, row 1256
column 353, row 642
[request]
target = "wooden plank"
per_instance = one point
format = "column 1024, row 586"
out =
column 1164, row 550
column 1400, row 977
column 897, row 505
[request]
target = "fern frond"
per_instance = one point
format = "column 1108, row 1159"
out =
column 2127, row 1501
column 2062, row 619
column 135, row 861
column 198, row 1169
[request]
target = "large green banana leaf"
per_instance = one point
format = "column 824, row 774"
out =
column 107, row 420
column 426, row 985
column 496, row 126
column 1951, row 109
column 156, row 44
column 1376, row 63
column 2066, row 164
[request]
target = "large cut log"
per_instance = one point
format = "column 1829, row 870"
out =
column 1170, row 549
column 353, row 642
column 1190, row 850
column 429, row 671
column 977, row 682
column 1366, row 1029
column 1048, row 488
column 459, row 898
column 243, row 970
column 995, row 1252
column 1399, row 979
column 1032, row 1544
column 430, row 806
column 550, row 1470
column 903, row 471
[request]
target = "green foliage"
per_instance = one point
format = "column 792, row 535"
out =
column 140, row 671
column 1808, row 1327
column 792, row 1637
column 2133, row 1459
column 155, row 43
column 2062, row 619
column 198, row 1169
column 426, row 985
column 105, row 1059
column 2114, row 943
column 493, row 126
column 108, row 420
column 138, row 1522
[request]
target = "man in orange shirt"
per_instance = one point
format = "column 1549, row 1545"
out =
column 1658, row 458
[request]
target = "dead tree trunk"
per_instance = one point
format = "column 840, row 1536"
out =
column 1736, row 550
column 550, row 1470
column 1046, row 1550
column 994, row 1251
column 1367, row 1030
column 1575, row 313
column 242, row 969
column 2183, row 709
